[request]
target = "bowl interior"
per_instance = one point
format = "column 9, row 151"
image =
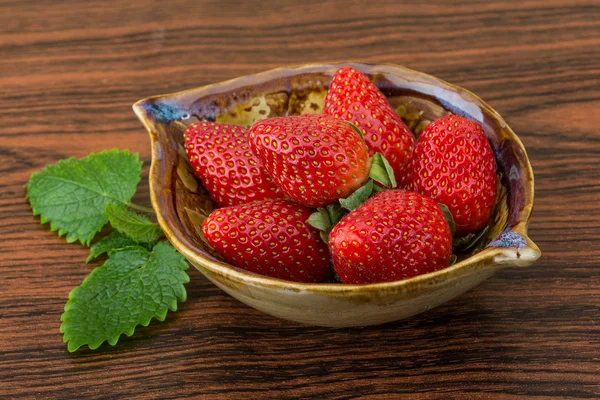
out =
column 183, row 203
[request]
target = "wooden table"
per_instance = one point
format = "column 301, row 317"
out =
column 69, row 72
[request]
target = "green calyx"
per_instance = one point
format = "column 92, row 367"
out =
column 355, row 128
column 382, row 172
column 325, row 218
column 358, row 197
column 449, row 218
column 467, row 242
column 452, row 260
column 463, row 243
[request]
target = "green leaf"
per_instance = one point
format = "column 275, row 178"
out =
column 452, row 260
column 466, row 242
column 324, row 236
column 449, row 218
column 324, row 219
column 358, row 197
column 382, row 172
column 114, row 241
column 335, row 213
column 71, row 195
column 355, row 129
column 390, row 172
column 132, row 287
column 136, row 226
column 319, row 219
column 377, row 188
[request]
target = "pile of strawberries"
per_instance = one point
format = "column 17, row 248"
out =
column 350, row 191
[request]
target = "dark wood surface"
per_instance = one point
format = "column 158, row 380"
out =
column 69, row 72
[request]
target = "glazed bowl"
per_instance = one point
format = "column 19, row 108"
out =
column 181, row 203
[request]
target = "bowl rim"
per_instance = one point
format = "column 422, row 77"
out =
column 502, row 256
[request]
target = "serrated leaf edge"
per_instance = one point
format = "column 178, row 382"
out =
column 161, row 314
column 53, row 228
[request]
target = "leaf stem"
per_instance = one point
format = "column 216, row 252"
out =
column 142, row 208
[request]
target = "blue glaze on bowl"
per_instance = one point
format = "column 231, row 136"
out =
column 509, row 238
column 165, row 111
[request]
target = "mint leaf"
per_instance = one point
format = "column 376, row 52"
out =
column 132, row 287
column 136, row 226
column 114, row 241
column 71, row 195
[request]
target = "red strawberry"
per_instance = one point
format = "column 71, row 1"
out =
column 269, row 237
column 354, row 98
column 453, row 163
column 314, row 159
column 394, row 235
column 222, row 159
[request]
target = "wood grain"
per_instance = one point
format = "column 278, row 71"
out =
column 70, row 71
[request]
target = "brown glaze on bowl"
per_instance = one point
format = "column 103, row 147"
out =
column 181, row 203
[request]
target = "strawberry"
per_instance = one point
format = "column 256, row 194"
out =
column 314, row 159
column 453, row 163
column 269, row 237
column 394, row 235
column 221, row 157
column 354, row 98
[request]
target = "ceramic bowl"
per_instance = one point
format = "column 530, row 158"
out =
column 181, row 203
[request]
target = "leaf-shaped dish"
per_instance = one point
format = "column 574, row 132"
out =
column 181, row 203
